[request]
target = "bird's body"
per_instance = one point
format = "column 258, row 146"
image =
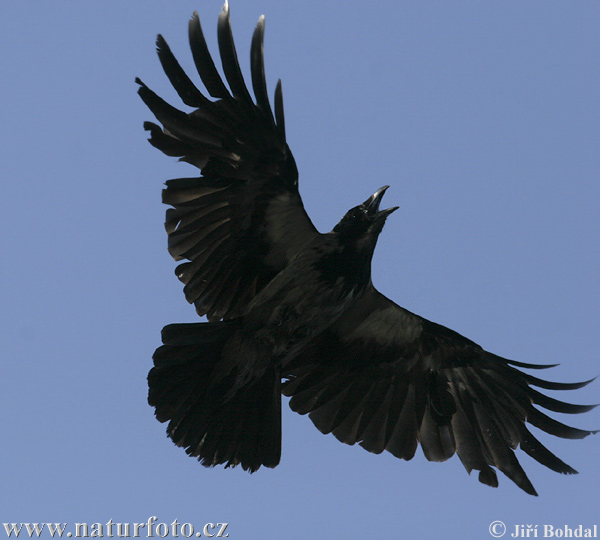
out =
column 294, row 311
column 292, row 308
column 301, row 299
column 319, row 284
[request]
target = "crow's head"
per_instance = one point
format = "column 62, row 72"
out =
column 365, row 221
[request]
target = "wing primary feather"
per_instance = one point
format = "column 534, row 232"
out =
column 556, row 405
column 175, row 121
column 468, row 447
column 554, row 427
column 504, row 411
column 550, row 385
column 483, row 443
column 257, row 64
column 165, row 113
column 529, row 366
column 229, row 60
column 502, row 456
column 279, row 116
column 186, row 89
column 534, row 448
column 170, row 146
column 204, row 62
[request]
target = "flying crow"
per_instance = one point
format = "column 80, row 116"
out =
column 293, row 311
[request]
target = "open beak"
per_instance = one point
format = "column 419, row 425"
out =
column 373, row 202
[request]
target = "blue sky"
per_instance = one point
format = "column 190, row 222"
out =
column 483, row 117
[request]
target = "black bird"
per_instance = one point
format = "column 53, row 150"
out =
column 294, row 311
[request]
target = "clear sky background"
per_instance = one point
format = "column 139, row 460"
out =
column 484, row 119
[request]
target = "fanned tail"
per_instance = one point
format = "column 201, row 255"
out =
column 210, row 413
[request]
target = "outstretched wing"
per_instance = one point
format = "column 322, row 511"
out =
column 388, row 379
column 240, row 222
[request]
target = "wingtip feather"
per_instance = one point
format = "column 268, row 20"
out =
column 257, row 69
column 279, row 115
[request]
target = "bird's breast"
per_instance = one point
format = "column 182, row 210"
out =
column 297, row 305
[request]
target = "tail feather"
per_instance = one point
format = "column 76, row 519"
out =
column 246, row 430
column 208, row 416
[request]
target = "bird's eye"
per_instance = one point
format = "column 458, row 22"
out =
column 356, row 214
